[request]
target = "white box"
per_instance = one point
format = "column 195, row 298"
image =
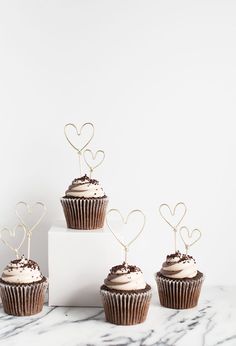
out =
column 79, row 261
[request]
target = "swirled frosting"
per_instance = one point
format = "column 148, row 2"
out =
column 179, row 266
column 125, row 277
column 85, row 187
column 22, row 271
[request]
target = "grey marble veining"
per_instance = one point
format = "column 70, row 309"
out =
column 212, row 323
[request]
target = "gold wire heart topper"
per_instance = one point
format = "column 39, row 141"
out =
column 29, row 210
column 188, row 237
column 125, row 221
column 12, row 233
column 79, row 134
column 172, row 213
column 93, row 156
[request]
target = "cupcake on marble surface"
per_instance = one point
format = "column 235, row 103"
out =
column 85, row 204
column 125, row 295
column 22, row 285
column 179, row 281
column 22, row 288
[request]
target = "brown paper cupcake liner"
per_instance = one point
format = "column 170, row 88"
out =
column 126, row 308
column 84, row 213
column 23, row 299
column 177, row 293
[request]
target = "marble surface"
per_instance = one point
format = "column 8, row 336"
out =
column 212, row 323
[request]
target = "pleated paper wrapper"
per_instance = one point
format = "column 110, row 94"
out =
column 177, row 293
column 23, row 300
column 85, row 214
column 126, row 308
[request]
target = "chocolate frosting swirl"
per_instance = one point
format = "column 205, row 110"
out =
column 85, row 187
column 179, row 266
column 22, row 271
column 125, row 277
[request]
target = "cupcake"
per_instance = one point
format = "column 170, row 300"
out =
column 125, row 295
column 85, row 204
column 22, row 288
column 179, row 282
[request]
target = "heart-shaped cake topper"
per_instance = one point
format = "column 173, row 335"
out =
column 12, row 233
column 189, row 238
column 29, row 210
column 125, row 221
column 93, row 156
column 79, row 134
column 172, row 213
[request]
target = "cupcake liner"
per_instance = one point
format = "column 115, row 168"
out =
column 126, row 308
column 84, row 213
column 177, row 293
column 23, row 299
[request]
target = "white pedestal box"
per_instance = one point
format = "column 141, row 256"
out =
column 79, row 261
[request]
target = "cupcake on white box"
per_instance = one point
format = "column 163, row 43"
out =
column 85, row 202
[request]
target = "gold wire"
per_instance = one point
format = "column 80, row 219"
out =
column 29, row 229
column 172, row 213
column 92, row 168
column 126, row 246
column 189, row 235
column 12, row 233
column 78, row 132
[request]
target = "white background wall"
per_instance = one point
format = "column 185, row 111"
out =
column 157, row 78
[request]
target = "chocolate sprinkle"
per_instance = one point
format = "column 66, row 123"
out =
column 182, row 257
column 85, row 178
column 29, row 264
column 127, row 268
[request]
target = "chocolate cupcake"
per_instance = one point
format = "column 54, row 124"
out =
column 85, row 204
column 22, row 288
column 179, row 282
column 125, row 295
